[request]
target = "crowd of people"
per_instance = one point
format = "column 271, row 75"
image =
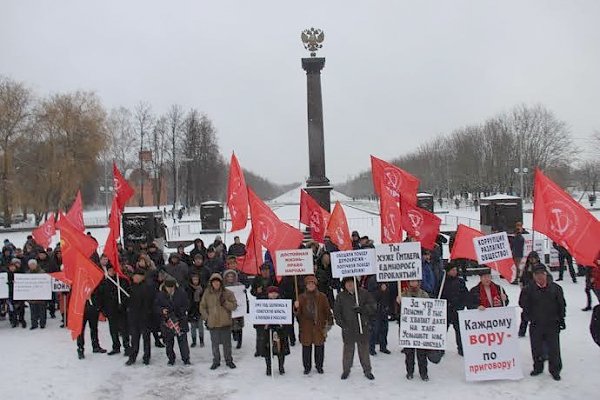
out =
column 175, row 299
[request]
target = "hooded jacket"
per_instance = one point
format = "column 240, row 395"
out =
column 216, row 305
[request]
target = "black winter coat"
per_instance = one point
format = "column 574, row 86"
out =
column 346, row 316
column 109, row 300
column 456, row 295
column 543, row 307
column 177, row 306
column 140, row 310
column 263, row 284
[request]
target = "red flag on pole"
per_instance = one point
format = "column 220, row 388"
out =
column 557, row 215
column 338, row 230
column 420, row 224
column 43, row 233
column 395, row 180
column 86, row 277
column 72, row 239
column 250, row 262
column 114, row 235
column 75, row 213
column 123, row 191
column 269, row 230
column 391, row 219
column 237, row 196
column 313, row 216
column 465, row 248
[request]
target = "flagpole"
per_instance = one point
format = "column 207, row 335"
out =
column 225, row 227
column 360, row 330
column 118, row 291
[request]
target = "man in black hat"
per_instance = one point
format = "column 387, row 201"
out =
column 178, row 269
column 259, row 290
column 457, row 296
column 139, row 315
column 172, row 304
column 544, row 306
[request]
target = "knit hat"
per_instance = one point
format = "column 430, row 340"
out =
column 310, row 278
column 450, row 266
column 169, row 282
column 140, row 271
column 539, row 268
column 272, row 289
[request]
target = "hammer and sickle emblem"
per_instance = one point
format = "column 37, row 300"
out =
column 560, row 222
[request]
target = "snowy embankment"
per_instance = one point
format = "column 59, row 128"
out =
column 43, row 364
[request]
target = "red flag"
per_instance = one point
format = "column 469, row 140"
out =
column 114, row 235
column 389, row 213
column 313, row 216
column 464, row 248
column 269, row 230
column 237, row 196
column 72, row 239
column 123, row 191
column 250, row 262
column 395, row 180
column 75, row 214
column 43, row 233
column 420, row 224
column 557, row 215
column 60, row 276
column 337, row 228
column 86, row 277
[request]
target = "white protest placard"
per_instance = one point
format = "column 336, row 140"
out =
column 423, row 323
column 32, row 287
column 530, row 246
column 3, row 285
column 60, row 286
column 239, row 291
column 494, row 247
column 353, row 263
column 271, row 312
column 398, row 262
column 294, row 262
column 554, row 260
column 490, row 344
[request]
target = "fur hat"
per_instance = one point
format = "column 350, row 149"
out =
column 272, row 289
column 310, row 278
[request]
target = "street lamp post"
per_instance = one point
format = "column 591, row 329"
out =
column 106, row 190
column 521, row 172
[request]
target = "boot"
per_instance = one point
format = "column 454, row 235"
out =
column 201, row 341
column 268, row 366
column 239, row 342
column 98, row 350
column 281, row 367
column 80, row 354
column 113, row 352
column 193, row 342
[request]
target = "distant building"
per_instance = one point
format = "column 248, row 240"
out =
column 135, row 177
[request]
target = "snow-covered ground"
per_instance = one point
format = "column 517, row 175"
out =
column 43, row 364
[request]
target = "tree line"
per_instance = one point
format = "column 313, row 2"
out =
column 480, row 159
column 53, row 145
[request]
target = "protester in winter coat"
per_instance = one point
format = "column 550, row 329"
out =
column 183, row 257
column 230, row 278
column 139, row 315
column 564, row 257
column 259, row 291
column 526, row 279
column 273, row 339
column 91, row 315
column 287, row 290
column 237, row 249
column 486, row 293
column 314, row 320
column 414, row 290
column 214, row 263
column 347, row 316
column 156, row 255
column 326, row 282
column 197, row 268
column 216, row 306
column 544, row 306
column 195, row 291
column 517, row 246
column 178, row 269
column 241, row 276
column 115, row 313
column 428, row 283
column 198, row 249
column 385, row 306
column 171, row 304
column 37, row 308
column 457, row 297
column 16, row 308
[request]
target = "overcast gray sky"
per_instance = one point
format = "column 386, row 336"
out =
column 397, row 72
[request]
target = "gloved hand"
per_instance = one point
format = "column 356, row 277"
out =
column 357, row 309
column 222, row 299
column 561, row 325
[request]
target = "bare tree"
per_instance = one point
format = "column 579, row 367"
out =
column 144, row 122
column 175, row 122
column 123, row 139
column 15, row 111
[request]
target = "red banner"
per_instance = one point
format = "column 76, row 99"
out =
column 420, row 224
column 75, row 214
column 314, row 216
column 395, row 180
column 72, row 241
column 114, row 235
column 391, row 219
column 237, row 196
column 465, row 248
column 338, row 230
column 123, row 191
column 43, row 233
column 557, row 215
column 250, row 262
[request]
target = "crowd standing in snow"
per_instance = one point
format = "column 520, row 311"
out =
column 189, row 293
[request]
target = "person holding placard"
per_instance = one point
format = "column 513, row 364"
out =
column 171, row 304
column 231, row 279
column 216, row 306
column 326, row 283
column 16, row 308
column 259, row 290
column 347, row 314
column 274, row 339
column 544, row 305
column 457, row 296
column 37, row 308
column 194, row 291
column 414, row 290
column 315, row 319
column 486, row 293
column 428, row 282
